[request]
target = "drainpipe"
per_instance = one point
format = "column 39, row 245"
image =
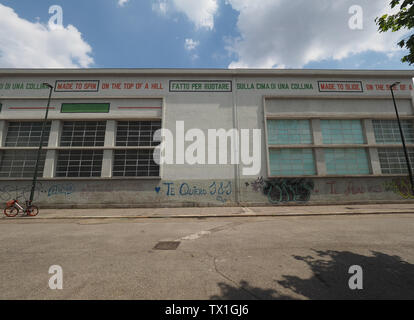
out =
column 237, row 148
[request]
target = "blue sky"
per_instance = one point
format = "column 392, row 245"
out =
column 197, row 34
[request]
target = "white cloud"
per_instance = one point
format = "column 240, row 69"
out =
column 24, row 44
column 161, row 6
column 200, row 12
column 121, row 3
column 191, row 44
column 283, row 33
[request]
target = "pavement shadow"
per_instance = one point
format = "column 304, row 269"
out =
column 247, row 292
column 384, row 277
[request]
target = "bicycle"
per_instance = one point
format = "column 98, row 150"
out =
column 13, row 208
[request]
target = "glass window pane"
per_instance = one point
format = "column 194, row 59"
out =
column 287, row 132
column 292, row 162
column 342, row 132
column 347, row 161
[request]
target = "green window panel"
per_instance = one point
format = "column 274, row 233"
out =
column 342, row 132
column 292, row 162
column 289, row 132
column 85, row 107
column 388, row 132
column 347, row 161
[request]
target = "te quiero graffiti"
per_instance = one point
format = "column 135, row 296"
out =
column 218, row 189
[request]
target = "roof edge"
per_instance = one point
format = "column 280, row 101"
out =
column 206, row 72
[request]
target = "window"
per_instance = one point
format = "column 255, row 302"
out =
column 392, row 160
column 286, row 132
column 26, row 134
column 347, row 161
column 388, row 132
column 137, row 162
column 137, row 133
column 342, row 132
column 21, row 163
column 79, row 163
column 83, row 134
column 292, row 162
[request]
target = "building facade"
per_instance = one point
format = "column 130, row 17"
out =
column 229, row 137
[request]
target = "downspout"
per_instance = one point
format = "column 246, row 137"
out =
column 237, row 144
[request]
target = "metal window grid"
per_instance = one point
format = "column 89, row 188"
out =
column 135, row 163
column 26, row 134
column 20, row 163
column 392, row 160
column 79, row 163
column 83, row 134
column 137, row 133
column 388, row 132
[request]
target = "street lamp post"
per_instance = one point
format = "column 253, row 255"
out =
column 407, row 158
column 41, row 144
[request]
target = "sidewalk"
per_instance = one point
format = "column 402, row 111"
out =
column 211, row 212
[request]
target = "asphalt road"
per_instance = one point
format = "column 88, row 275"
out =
column 218, row 258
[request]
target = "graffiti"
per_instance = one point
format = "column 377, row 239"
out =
column 401, row 187
column 22, row 193
column 333, row 187
column 288, row 190
column 351, row 188
column 217, row 189
column 65, row 189
column 258, row 184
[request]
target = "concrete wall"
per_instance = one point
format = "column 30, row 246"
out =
column 253, row 98
column 194, row 193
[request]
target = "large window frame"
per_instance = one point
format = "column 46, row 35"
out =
column 19, row 149
column 134, row 149
column 317, row 146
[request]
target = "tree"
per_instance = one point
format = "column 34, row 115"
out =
column 404, row 18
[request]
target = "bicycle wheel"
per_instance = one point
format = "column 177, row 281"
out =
column 11, row 211
column 32, row 211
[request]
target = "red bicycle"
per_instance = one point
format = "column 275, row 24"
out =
column 13, row 208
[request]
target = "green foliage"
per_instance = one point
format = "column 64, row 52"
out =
column 403, row 19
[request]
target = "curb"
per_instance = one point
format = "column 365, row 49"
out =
column 210, row 216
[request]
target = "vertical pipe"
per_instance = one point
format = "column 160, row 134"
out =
column 40, row 147
column 407, row 158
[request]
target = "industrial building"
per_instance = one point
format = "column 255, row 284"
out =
column 293, row 137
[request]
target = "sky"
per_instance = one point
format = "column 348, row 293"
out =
column 309, row 34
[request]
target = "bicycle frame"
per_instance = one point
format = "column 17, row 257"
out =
column 16, row 204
